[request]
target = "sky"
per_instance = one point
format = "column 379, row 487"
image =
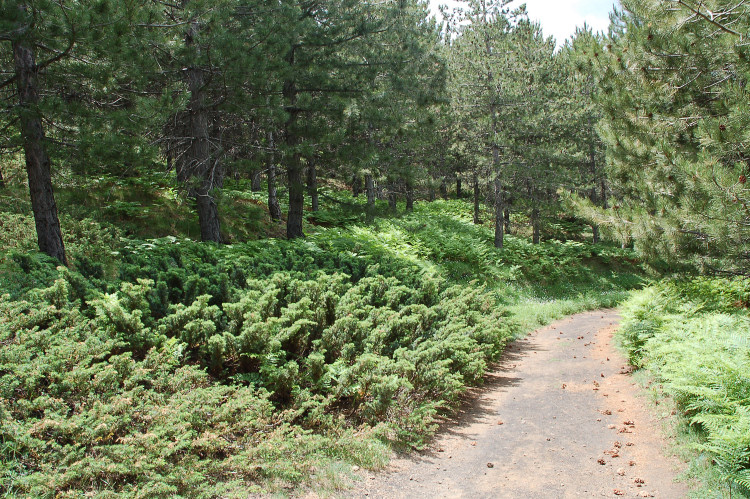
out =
column 559, row 18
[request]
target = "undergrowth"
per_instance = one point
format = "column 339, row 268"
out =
column 167, row 367
column 694, row 337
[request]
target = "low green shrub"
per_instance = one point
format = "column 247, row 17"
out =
column 694, row 336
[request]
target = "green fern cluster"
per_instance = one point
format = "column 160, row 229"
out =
column 695, row 337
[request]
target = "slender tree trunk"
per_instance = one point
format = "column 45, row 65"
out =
column 536, row 224
column 458, row 186
column 506, row 216
column 409, row 195
column 431, row 193
column 356, row 185
column 370, row 190
column 199, row 162
column 255, row 181
column 2, row 180
column 443, row 188
column 49, row 235
column 475, row 180
column 312, row 183
column 274, row 209
column 294, row 166
column 499, row 209
column 392, row 202
column 592, row 159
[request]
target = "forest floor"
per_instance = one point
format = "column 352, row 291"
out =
column 559, row 416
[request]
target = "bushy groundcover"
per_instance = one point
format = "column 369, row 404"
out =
column 694, row 336
column 169, row 367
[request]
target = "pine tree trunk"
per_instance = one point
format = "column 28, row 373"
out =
column 409, row 196
column 475, row 180
column 506, row 216
column 296, row 191
column 198, row 158
column 356, row 185
column 294, row 167
column 458, row 187
column 370, row 191
column 255, row 181
column 49, row 235
column 536, row 225
column 312, row 183
column 443, row 188
column 273, row 200
column 499, row 209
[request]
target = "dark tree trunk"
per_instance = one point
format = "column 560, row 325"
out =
column 255, row 181
column 409, row 196
column 370, row 191
column 475, row 180
column 294, row 166
column 273, row 200
column 431, row 194
column 312, row 183
column 499, row 209
column 200, row 168
column 443, row 188
column 506, row 217
column 458, row 186
column 392, row 201
column 2, row 180
column 49, row 235
column 593, row 196
column 536, row 225
column 356, row 185
column 296, row 191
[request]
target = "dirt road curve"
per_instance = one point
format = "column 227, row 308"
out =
column 559, row 417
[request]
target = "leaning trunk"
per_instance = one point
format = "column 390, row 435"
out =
column 312, row 183
column 49, row 235
column 273, row 200
column 499, row 208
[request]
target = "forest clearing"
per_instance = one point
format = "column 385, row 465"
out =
column 336, row 248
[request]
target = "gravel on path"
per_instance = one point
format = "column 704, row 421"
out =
column 559, row 416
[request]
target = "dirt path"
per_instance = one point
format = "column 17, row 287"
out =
column 559, row 417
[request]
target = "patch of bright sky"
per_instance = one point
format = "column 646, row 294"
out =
column 559, row 18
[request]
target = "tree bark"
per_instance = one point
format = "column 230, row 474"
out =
column 475, row 180
column 274, row 209
column 312, row 183
column 499, row 209
column 370, row 191
column 506, row 217
column 392, row 202
column 458, row 186
column 536, row 225
column 443, row 188
column 200, row 166
column 356, row 185
column 38, row 165
column 294, row 166
column 255, row 181
column 409, row 196
column 2, row 180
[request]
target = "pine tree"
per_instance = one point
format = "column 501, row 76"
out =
column 675, row 101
